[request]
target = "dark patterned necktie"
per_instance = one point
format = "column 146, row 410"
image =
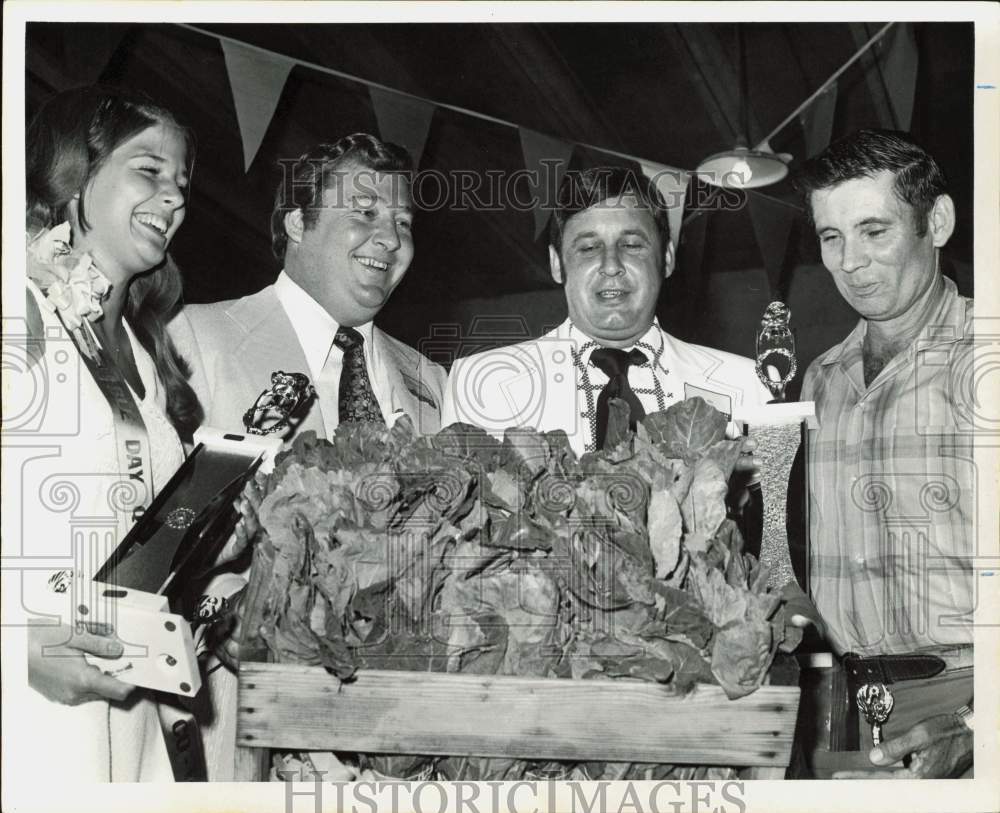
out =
column 357, row 401
column 615, row 364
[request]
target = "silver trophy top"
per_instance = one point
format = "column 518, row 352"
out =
column 777, row 314
column 776, row 363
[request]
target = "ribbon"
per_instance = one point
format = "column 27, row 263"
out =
column 129, row 430
column 180, row 729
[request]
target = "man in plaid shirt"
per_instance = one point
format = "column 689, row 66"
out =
column 891, row 474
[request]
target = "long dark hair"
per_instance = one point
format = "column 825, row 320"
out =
column 68, row 141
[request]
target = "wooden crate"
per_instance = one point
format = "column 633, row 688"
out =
column 304, row 708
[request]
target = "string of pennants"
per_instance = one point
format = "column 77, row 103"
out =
column 257, row 78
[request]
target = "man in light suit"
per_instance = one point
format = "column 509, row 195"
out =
column 610, row 249
column 342, row 226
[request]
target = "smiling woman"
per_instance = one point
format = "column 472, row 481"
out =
column 140, row 192
column 106, row 180
column 105, row 161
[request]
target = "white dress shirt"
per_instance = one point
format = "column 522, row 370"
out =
column 315, row 329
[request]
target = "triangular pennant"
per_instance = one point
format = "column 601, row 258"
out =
column 403, row 120
column 257, row 78
column 86, row 58
column 692, row 252
column 546, row 159
column 689, row 281
column 900, row 70
column 772, row 225
column 672, row 184
column 817, row 121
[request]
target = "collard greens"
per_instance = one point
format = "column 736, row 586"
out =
column 461, row 553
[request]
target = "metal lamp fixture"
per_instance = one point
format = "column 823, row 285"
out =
column 741, row 167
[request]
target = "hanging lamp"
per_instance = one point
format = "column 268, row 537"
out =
column 742, row 167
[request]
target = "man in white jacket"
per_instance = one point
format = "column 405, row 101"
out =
column 610, row 249
column 342, row 227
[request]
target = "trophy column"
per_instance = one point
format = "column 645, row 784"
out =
column 777, row 429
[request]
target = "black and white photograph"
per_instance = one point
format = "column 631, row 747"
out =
column 499, row 407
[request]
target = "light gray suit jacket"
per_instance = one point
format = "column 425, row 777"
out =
column 234, row 346
column 535, row 384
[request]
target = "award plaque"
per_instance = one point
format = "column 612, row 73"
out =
column 157, row 574
column 778, row 429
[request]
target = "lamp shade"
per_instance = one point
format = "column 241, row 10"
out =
column 743, row 168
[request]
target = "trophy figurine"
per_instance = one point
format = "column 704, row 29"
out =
column 274, row 408
column 776, row 364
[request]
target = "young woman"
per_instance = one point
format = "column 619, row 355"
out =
column 107, row 179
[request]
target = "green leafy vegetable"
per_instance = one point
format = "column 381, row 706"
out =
column 687, row 429
column 460, row 553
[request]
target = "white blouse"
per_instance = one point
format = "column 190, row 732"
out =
column 62, row 500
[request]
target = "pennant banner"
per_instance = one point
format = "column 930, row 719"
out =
column 691, row 253
column 817, row 121
column 403, row 120
column 257, row 79
column 891, row 73
column 772, row 225
column 87, row 57
column 900, row 67
column 546, row 159
column 672, row 184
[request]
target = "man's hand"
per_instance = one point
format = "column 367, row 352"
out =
column 746, row 471
column 800, row 614
column 747, row 464
column 58, row 670
column 226, row 633
column 938, row 748
column 800, row 610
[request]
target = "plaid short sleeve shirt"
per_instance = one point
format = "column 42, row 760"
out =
column 892, row 486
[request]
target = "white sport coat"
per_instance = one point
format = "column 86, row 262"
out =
column 536, row 383
column 234, row 346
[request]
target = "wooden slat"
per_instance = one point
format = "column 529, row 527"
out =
column 302, row 707
column 250, row 764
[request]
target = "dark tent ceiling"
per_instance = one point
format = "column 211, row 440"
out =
column 663, row 92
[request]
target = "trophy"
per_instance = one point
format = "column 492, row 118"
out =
column 153, row 582
column 274, row 408
column 777, row 427
column 776, row 364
